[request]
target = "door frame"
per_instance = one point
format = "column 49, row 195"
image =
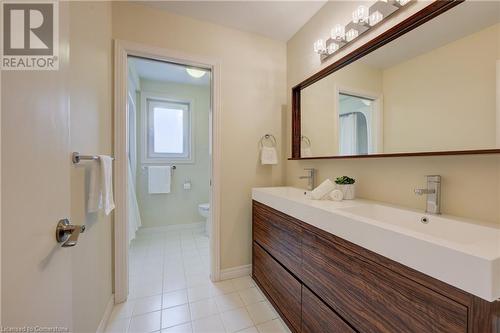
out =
column 122, row 50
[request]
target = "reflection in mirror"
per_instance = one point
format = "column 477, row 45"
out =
column 433, row 89
column 356, row 132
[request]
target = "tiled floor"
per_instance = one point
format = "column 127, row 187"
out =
column 170, row 291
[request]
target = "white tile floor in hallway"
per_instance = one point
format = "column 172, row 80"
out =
column 170, row 291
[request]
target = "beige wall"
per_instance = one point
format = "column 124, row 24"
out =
column 90, row 133
column 180, row 206
column 252, row 92
column 470, row 183
column 450, row 91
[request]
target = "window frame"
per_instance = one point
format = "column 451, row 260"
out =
column 148, row 156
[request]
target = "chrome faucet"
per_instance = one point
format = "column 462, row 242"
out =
column 433, row 191
column 311, row 178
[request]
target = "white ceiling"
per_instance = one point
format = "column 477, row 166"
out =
column 165, row 72
column 275, row 19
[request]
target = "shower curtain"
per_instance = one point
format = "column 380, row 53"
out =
column 348, row 134
column 134, row 216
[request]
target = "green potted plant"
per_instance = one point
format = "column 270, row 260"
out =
column 346, row 185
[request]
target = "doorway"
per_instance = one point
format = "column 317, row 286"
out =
column 167, row 150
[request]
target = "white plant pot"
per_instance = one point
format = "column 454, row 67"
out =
column 348, row 190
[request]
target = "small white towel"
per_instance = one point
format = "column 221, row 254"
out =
column 94, row 188
column 107, row 200
column 305, row 152
column 336, row 195
column 159, row 179
column 322, row 190
column 101, row 186
column 268, row 155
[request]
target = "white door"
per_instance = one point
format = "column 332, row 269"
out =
column 36, row 271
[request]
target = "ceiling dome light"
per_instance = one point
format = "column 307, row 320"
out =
column 196, row 73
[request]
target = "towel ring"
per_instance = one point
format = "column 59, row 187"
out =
column 268, row 137
column 144, row 167
column 306, row 140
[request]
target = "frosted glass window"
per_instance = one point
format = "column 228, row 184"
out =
column 169, row 132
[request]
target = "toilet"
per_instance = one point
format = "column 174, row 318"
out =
column 203, row 210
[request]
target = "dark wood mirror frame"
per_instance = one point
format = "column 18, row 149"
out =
column 431, row 11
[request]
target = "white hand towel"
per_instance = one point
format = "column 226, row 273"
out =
column 268, row 155
column 159, row 179
column 107, row 201
column 94, row 200
column 306, row 152
column 336, row 195
column 322, row 190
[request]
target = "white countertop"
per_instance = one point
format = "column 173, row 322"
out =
column 460, row 252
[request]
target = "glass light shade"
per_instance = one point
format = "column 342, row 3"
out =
column 333, row 47
column 402, row 2
column 320, row 46
column 338, row 32
column 196, row 73
column 360, row 15
column 351, row 35
column 375, row 18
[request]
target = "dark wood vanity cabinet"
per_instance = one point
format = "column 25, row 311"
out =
column 321, row 283
column 283, row 289
column 373, row 298
column 317, row 317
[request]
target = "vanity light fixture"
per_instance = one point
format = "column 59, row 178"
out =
column 351, row 34
column 320, row 46
column 363, row 19
column 375, row 18
column 332, row 47
column 401, row 3
column 338, row 33
column 353, row 30
column 379, row 11
column 360, row 15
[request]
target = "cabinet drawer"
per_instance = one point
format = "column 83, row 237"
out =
column 373, row 298
column 283, row 289
column 319, row 318
column 278, row 234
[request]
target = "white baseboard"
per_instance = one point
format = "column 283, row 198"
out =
column 106, row 315
column 235, row 272
column 172, row 227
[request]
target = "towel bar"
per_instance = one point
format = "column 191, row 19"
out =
column 76, row 157
column 144, row 167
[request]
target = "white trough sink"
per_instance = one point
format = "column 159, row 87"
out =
column 460, row 252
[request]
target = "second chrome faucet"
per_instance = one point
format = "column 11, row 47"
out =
column 311, row 178
column 433, row 192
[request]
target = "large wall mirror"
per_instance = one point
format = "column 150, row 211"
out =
column 433, row 90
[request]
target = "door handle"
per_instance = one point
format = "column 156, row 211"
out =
column 67, row 233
